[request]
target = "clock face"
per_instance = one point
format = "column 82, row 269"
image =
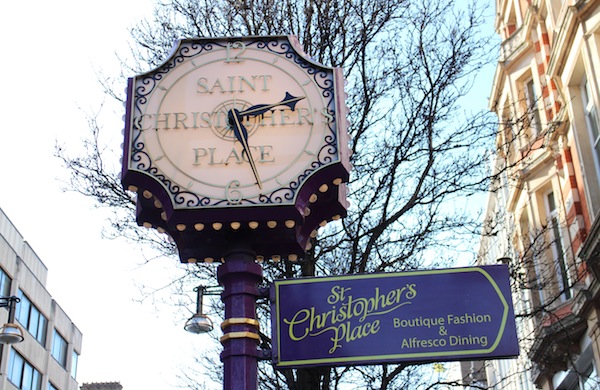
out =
column 229, row 123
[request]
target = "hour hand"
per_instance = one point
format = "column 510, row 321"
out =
column 260, row 109
column 241, row 134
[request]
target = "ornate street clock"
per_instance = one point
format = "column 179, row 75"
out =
column 237, row 139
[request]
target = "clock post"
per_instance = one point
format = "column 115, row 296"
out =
column 240, row 276
column 237, row 149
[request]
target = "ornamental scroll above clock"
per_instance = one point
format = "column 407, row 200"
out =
column 237, row 140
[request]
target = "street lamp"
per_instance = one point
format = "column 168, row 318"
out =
column 10, row 333
column 199, row 322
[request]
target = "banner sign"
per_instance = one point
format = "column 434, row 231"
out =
column 437, row 315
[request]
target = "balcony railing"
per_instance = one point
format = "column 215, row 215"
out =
column 512, row 44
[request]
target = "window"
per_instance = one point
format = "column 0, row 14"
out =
column 557, row 247
column 511, row 22
column 59, row 349
column 589, row 379
column 591, row 116
column 533, row 113
column 583, row 375
column 4, row 284
column 510, row 145
column 22, row 374
column 74, row 362
column 51, row 386
column 30, row 317
column 532, row 277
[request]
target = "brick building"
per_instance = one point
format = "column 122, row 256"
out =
column 545, row 207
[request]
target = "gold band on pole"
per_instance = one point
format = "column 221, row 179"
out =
column 239, row 321
column 239, row 335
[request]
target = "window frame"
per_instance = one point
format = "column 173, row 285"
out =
column 74, row 363
column 592, row 120
column 39, row 326
column 588, row 380
column 59, row 349
column 5, row 283
column 557, row 246
column 24, row 371
column 531, row 262
column 532, row 106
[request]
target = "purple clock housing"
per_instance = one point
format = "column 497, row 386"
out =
column 280, row 219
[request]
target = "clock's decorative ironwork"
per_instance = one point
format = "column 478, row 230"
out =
column 237, row 134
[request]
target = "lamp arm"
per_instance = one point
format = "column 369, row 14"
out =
column 11, row 304
column 12, row 309
column 199, row 299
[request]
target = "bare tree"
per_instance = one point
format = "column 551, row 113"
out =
column 417, row 153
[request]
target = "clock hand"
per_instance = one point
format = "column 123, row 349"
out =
column 240, row 132
column 234, row 117
column 259, row 109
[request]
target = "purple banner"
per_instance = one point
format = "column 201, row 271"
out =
column 437, row 315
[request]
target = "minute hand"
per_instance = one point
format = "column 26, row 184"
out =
column 259, row 109
column 241, row 134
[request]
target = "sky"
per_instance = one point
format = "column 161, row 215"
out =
column 51, row 51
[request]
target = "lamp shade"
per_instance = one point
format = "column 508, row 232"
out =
column 11, row 334
column 198, row 323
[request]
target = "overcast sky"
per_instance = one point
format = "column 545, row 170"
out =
column 50, row 52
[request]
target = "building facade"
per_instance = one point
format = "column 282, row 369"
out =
column 543, row 213
column 47, row 358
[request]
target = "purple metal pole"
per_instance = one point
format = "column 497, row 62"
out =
column 240, row 276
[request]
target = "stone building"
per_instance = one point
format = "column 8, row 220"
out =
column 47, row 358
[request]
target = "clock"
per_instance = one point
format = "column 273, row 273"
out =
column 235, row 131
column 234, row 123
